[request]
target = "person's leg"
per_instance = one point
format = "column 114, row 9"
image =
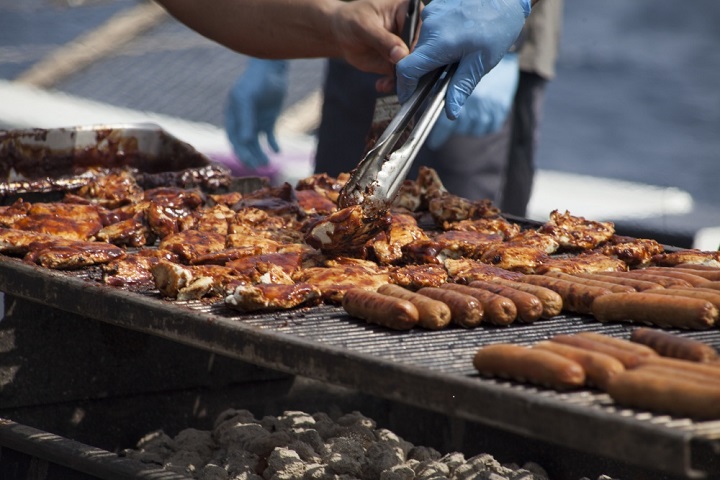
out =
column 469, row 166
column 527, row 111
column 347, row 112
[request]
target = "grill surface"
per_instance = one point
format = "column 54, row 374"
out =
column 428, row 369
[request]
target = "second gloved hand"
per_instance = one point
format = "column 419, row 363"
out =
column 253, row 107
column 476, row 34
column 486, row 109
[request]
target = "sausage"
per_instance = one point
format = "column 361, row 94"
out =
column 691, row 278
column 466, row 311
column 627, row 358
column 498, row 310
column 529, row 307
column 710, row 369
column 599, row 367
column 680, row 372
column 712, row 296
column 663, row 280
column 374, row 307
column 537, row 366
column 638, row 349
column 698, row 266
column 635, row 283
column 433, row 314
column 551, row 300
column 708, row 273
column 663, row 393
column 576, row 297
column 660, row 310
column 670, row 345
column 613, row 287
column 712, row 285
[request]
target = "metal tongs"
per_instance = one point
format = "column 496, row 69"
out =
column 378, row 177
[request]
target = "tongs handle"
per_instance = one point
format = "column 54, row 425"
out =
column 378, row 176
column 412, row 22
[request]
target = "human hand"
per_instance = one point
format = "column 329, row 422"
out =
column 486, row 109
column 367, row 33
column 253, row 107
column 476, row 34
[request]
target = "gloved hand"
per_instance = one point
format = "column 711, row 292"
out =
column 486, row 109
column 253, row 107
column 474, row 33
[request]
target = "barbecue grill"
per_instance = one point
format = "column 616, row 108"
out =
column 428, row 370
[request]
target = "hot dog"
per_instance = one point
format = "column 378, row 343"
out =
column 705, row 271
column 663, row 280
column 679, row 372
column 613, row 287
column 432, row 314
column 712, row 285
column 528, row 364
column 651, row 308
column 635, row 283
column 670, row 345
column 576, row 297
column 498, row 310
column 374, row 307
column 529, row 307
column 466, row 311
column 689, row 277
column 710, row 369
column 627, row 358
column 551, row 300
column 663, row 393
column 599, row 367
column 712, row 296
column 636, row 348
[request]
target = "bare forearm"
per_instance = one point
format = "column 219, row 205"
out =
column 262, row 28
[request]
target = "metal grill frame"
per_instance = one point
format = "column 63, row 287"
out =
column 427, row 369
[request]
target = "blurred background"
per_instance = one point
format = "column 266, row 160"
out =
column 630, row 133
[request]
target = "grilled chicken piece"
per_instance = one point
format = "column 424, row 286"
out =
column 10, row 214
column 533, row 238
column 63, row 254
column 133, row 270
column 515, row 258
column 470, row 244
column 268, row 296
column 447, row 207
column 213, row 219
column 346, row 231
column 409, row 197
column 175, row 197
column 464, row 270
column 691, row 256
column 69, row 221
column 492, row 225
column 191, row 244
column 387, row 245
column 193, row 283
column 131, row 232
column 278, row 268
column 112, row 190
column 334, row 281
column 416, row 277
column 586, row 262
column 17, row 242
column 228, row 199
column 315, row 203
column 322, row 183
column 255, row 222
column 278, row 201
column 577, row 233
column 635, row 252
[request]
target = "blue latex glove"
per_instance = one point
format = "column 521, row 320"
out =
column 253, row 107
column 474, row 33
column 486, row 109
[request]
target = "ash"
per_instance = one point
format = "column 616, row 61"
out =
column 298, row 445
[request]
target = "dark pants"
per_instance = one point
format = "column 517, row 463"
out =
column 469, row 166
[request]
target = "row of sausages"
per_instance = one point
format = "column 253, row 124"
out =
column 654, row 370
column 682, row 297
column 496, row 301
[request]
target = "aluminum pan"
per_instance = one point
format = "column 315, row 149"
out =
column 427, row 369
